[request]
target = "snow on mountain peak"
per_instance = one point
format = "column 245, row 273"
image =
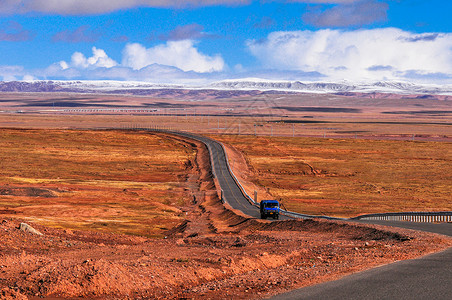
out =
column 242, row 84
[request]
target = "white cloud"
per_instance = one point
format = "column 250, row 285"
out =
column 180, row 54
column 154, row 73
column 361, row 54
column 171, row 62
column 99, row 60
column 64, row 65
column 28, row 77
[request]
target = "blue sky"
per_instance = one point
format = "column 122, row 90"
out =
column 193, row 41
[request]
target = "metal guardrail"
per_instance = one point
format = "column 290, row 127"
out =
column 444, row 216
column 441, row 216
column 304, row 216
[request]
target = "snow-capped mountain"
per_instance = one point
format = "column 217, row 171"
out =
column 114, row 85
column 333, row 87
column 231, row 86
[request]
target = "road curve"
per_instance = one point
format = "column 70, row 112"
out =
column 429, row 277
column 232, row 194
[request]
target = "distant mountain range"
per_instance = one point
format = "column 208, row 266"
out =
column 236, row 88
column 345, row 88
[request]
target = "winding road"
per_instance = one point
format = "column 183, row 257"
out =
column 232, row 194
column 429, row 277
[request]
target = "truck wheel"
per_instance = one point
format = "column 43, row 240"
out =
column 276, row 217
column 263, row 217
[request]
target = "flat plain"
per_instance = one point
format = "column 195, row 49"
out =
column 108, row 181
column 126, row 213
column 319, row 154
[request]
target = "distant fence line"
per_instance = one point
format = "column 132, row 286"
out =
column 442, row 216
column 221, row 128
column 116, row 110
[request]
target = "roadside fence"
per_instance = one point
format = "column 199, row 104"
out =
column 430, row 217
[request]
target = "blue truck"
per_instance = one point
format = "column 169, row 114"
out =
column 269, row 208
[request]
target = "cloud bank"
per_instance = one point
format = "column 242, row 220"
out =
column 89, row 7
column 332, row 55
column 360, row 54
column 81, row 7
column 171, row 62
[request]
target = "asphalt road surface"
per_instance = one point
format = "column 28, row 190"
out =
column 428, row 277
column 231, row 192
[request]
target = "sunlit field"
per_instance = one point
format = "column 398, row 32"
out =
column 112, row 181
column 348, row 177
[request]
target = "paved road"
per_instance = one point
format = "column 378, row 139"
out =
column 429, row 277
column 441, row 228
column 231, row 192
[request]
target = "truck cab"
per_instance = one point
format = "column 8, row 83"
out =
column 269, row 208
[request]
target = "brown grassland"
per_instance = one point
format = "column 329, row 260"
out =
column 84, row 189
column 112, row 181
column 319, row 154
column 104, row 199
column 348, row 177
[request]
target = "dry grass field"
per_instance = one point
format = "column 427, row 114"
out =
column 348, row 177
column 124, row 182
column 100, row 197
column 309, row 115
column 322, row 154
